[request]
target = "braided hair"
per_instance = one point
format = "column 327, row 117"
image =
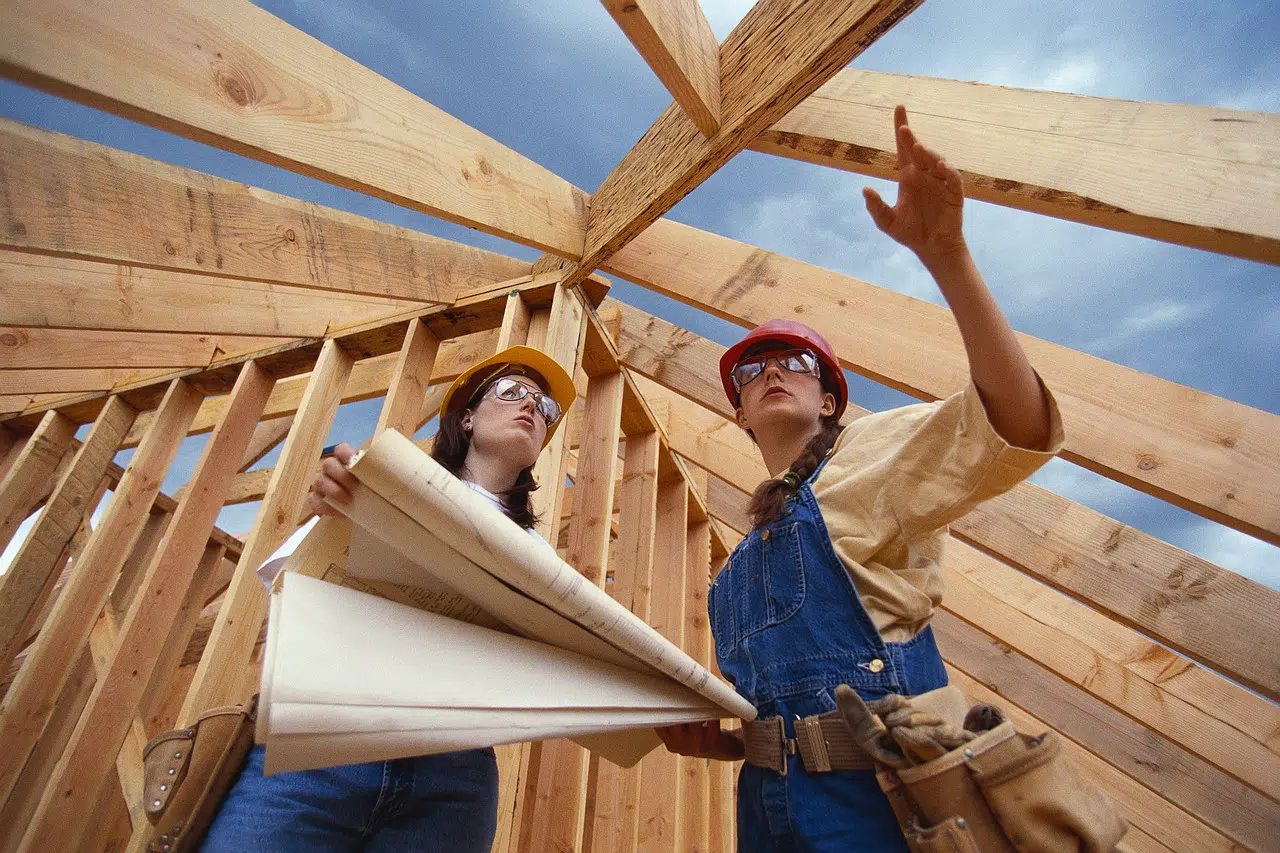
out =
column 771, row 495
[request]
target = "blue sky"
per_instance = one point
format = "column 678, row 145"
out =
column 557, row 81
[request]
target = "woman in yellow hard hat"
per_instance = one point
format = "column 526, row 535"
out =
column 494, row 421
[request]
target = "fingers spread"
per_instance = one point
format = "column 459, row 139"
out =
column 881, row 213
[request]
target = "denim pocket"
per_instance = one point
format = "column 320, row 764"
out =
column 763, row 586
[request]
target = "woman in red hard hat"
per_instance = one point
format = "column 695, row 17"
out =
column 842, row 570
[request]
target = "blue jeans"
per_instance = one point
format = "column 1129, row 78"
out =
column 430, row 803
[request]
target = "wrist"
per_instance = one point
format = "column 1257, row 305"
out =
column 946, row 258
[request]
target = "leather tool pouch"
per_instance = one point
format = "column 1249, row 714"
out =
column 1001, row 792
column 187, row 772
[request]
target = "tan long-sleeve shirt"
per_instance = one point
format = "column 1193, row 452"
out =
column 896, row 479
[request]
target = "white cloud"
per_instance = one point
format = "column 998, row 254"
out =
column 1239, row 552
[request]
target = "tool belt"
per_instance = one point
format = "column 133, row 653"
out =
column 187, row 772
column 972, row 783
column 823, row 741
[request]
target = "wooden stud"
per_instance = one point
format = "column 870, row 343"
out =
column 155, row 612
column 776, row 56
column 409, row 382
column 265, row 438
column 515, row 322
column 675, row 38
column 200, row 71
column 659, row 813
column 1065, row 544
column 564, row 334
column 1199, row 176
column 244, row 607
column 560, row 816
column 31, row 574
column 615, row 824
column 695, row 784
column 49, row 661
column 17, row 809
column 28, row 480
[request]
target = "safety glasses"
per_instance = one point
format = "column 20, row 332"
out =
column 512, row 390
column 794, row 360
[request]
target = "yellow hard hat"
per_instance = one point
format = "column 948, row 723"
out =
column 558, row 382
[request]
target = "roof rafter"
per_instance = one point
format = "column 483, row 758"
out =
column 675, row 38
column 1210, row 455
column 1199, row 176
column 232, row 75
column 776, row 56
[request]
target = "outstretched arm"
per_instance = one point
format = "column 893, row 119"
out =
column 928, row 220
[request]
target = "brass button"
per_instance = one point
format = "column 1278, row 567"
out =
column 876, row 665
column 764, row 537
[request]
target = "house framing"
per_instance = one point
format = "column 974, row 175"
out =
column 153, row 302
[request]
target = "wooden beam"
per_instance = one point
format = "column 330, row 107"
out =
column 34, row 569
column 265, row 438
column 675, row 38
column 28, row 480
column 49, row 661
column 775, row 58
column 409, row 381
column 75, row 197
column 1205, row 177
column 1173, row 596
column 369, row 378
column 80, row 349
column 217, row 681
column 237, row 77
column 1217, row 458
column 157, row 610
column 47, row 291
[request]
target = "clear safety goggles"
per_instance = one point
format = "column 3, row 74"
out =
column 511, row 390
column 794, row 360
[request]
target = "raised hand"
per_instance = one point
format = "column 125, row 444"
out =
column 927, row 218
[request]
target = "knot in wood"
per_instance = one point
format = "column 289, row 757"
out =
column 1147, row 462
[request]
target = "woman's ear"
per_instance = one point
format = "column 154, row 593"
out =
column 466, row 422
column 828, row 405
column 740, row 418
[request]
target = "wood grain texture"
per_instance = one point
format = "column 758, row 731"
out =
column 675, row 39
column 409, row 381
column 156, row 612
column 29, row 700
column 1212, row 456
column 64, row 195
column 1205, row 177
column 79, row 349
column 30, row 477
column 775, row 57
column 34, row 569
column 234, row 76
column 218, row 678
column 1177, row 598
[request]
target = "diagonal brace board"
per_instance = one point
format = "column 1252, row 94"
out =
column 776, row 57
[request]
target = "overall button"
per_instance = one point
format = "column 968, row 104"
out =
column 876, row 665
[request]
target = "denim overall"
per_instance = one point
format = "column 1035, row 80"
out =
column 789, row 628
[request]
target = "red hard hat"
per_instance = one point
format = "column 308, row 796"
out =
column 794, row 334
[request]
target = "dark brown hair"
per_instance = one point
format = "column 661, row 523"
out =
column 771, row 495
column 450, row 450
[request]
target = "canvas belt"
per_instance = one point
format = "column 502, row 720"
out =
column 823, row 741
